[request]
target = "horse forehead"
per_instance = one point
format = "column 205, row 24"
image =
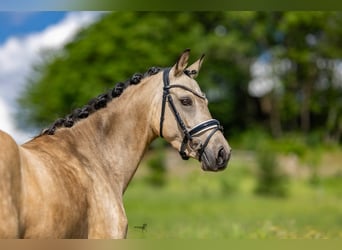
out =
column 191, row 83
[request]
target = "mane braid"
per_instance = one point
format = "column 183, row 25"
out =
column 97, row 103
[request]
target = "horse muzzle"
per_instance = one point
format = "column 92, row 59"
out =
column 215, row 160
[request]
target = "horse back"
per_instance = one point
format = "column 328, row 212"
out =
column 10, row 186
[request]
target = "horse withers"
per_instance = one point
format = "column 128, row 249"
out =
column 69, row 181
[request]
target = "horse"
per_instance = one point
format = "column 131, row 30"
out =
column 69, row 181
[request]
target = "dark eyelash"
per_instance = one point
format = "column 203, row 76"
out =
column 186, row 101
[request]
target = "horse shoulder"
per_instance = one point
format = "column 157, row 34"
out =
column 10, row 159
column 10, row 186
column 58, row 184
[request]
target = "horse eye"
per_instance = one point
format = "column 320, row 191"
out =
column 186, row 101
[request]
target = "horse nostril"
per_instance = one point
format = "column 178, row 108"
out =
column 221, row 157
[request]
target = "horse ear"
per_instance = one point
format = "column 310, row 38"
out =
column 194, row 68
column 180, row 66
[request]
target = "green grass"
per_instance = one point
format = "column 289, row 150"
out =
column 201, row 205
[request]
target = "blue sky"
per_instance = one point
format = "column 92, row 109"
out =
column 23, row 35
column 21, row 23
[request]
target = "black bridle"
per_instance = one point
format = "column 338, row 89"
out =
column 211, row 124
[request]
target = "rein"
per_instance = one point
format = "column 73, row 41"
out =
column 200, row 128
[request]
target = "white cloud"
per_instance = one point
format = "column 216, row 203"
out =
column 7, row 124
column 17, row 56
column 6, row 119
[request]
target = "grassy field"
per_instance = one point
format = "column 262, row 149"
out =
column 199, row 205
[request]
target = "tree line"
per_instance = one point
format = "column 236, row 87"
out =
column 281, row 71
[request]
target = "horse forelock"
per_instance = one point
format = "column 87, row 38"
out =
column 98, row 102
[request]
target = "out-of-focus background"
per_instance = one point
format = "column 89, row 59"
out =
column 273, row 79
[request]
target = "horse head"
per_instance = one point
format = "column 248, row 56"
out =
column 185, row 120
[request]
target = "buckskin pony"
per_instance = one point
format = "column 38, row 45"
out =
column 69, row 181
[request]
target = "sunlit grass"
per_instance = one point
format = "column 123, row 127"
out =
column 223, row 205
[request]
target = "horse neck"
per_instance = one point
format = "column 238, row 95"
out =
column 114, row 139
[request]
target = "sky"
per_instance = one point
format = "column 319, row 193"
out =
column 23, row 35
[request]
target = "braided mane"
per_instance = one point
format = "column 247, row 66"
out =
column 97, row 103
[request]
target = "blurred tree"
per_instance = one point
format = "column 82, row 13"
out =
column 105, row 53
column 312, row 44
column 300, row 49
column 302, row 33
column 123, row 43
column 331, row 77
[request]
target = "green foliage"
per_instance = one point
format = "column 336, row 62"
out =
column 156, row 164
column 270, row 181
column 306, row 147
column 291, row 144
column 122, row 43
column 251, row 139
